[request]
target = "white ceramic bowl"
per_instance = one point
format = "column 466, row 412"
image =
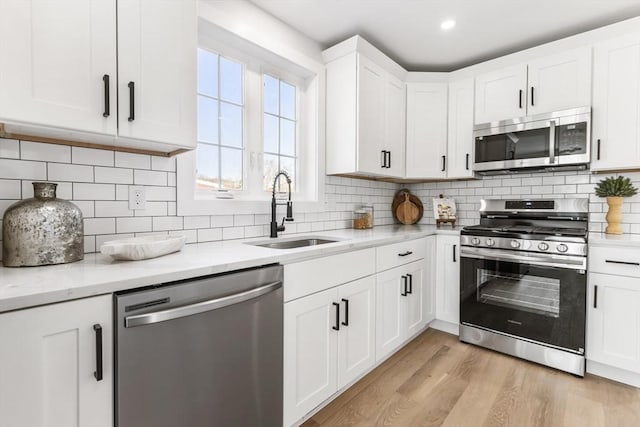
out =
column 146, row 247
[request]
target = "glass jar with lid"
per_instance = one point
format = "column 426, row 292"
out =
column 363, row 217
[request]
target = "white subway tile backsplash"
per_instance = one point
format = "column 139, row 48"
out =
column 191, row 222
column 4, row 205
column 94, row 191
column 229, row 233
column 165, row 223
column 9, row 148
column 66, row 172
column 240, row 220
column 122, row 192
column 101, row 240
column 45, row 152
column 99, row 226
column 221, row 221
column 209, row 234
column 172, row 208
column 112, row 209
column 86, row 206
column 91, row 156
column 171, row 179
column 133, row 225
column 22, row 169
column 10, row 189
column 144, row 177
column 161, row 194
column 153, row 209
column 191, row 235
column 89, row 244
column 113, row 175
column 167, row 164
column 133, row 161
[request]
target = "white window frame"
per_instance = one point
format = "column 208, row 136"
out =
column 310, row 167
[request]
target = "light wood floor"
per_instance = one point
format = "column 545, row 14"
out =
column 438, row 381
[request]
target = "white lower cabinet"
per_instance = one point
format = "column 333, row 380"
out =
column 448, row 279
column 328, row 342
column 48, row 365
column 399, row 307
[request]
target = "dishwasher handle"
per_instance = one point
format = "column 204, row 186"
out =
column 200, row 307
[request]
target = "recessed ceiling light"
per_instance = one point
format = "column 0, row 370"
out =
column 448, row 24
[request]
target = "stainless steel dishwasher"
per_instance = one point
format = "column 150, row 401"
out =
column 201, row 353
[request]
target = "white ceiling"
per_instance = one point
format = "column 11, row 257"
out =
column 409, row 30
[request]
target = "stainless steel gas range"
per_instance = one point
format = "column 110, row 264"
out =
column 523, row 280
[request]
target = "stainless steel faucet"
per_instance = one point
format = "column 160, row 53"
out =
column 274, row 224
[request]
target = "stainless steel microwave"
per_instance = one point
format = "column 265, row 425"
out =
column 546, row 140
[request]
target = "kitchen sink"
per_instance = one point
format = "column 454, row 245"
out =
column 294, row 243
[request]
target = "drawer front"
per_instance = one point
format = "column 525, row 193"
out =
column 615, row 260
column 307, row 277
column 397, row 254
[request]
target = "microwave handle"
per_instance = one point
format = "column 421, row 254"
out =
column 552, row 142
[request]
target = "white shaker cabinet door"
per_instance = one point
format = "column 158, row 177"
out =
column 415, row 300
column 559, row 82
column 58, row 64
column 616, row 104
column 157, row 48
column 501, row 94
column 426, row 130
column 613, row 321
column 356, row 342
column 394, row 141
column 460, row 141
column 48, row 364
column 310, row 349
column 448, row 279
column 371, row 117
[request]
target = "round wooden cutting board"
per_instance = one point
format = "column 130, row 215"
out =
column 406, row 207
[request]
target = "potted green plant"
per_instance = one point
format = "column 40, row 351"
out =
column 615, row 189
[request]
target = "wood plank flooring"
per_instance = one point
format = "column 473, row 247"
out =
column 438, row 381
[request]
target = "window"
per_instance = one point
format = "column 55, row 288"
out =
column 279, row 131
column 219, row 155
column 258, row 112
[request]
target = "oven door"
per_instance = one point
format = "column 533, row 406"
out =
column 538, row 297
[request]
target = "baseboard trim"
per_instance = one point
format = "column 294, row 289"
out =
column 613, row 373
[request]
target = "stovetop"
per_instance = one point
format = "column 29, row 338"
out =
column 525, row 232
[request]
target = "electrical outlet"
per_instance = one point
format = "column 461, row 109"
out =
column 137, row 198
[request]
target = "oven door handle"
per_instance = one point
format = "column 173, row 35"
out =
column 547, row 260
column 200, row 307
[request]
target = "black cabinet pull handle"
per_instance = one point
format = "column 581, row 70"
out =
column 532, row 104
column 404, row 292
column 107, row 106
column 346, row 312
column 337, row 325
column 595, row 296
column 389, row 159
column 610, row 261
column 405, row 253
column 384, row 159
column 467, row 162
column 598, row 150
column 132, row 101
column 454, row 253
column 98, row 372
column 520, row 99
column 410, row 276
column 444, row 160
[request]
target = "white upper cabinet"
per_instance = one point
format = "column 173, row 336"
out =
column 501, row 94
column 157, row 77
column 552, row 83
column 559, row 82
column 365, row 111
column 616, row 104
column 460, row 139
column 58, row 58
column 426, row 130
column 111, row 72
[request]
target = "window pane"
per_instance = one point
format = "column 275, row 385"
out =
column 231, row 169
column 270, row 170
column 230, row 125
column 270, row 134
column 287, row 101
column 230, row 81
column 270, row 95
column 207, row 73
column 207, row 120
column 207, row 167
column 288, row 164
column 287, row 137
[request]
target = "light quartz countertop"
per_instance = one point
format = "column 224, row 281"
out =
column 626, row 240
column 99, row 274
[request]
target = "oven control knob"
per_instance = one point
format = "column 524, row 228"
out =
column 543, row 246
column 490, row 242
column 515, row 244
column 475, row 241
column 562, row 248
